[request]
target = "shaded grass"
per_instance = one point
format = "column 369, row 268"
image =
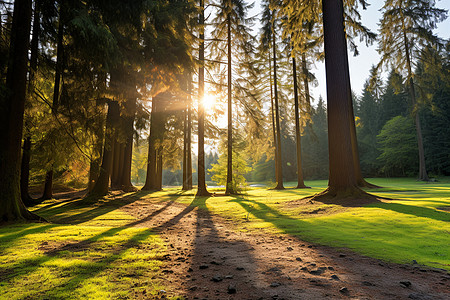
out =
column 99, row 256
column 411, row 227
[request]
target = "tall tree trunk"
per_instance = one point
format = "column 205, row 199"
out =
column 274, row 133
column 423, row 175
column 26, row 150
column 130, row 108
column 48, row 186
column 201, row 189
column 159, row 169
column 230, row 188
column 189, row 136
column 306, row 84
column 184, row 186
column 115, row 180
column 154, row 141
column 11, row 116
column 59, row 60
column 102, row 184
column 342, row 180
column 25, row 172
column 279, row 170
column 300, row 183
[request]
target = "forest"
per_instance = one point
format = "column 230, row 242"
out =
column 122, row 108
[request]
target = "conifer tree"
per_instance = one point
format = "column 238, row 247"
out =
column 231, row 25
column 406, row 27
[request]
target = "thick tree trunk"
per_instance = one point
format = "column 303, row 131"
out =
column 342, row 180
column 230, row 189
column 279, row 169
column 48, row 186
column 154, row 142
column 300, row 182
column 201, row 185
column 102, row 184
column 11, row 116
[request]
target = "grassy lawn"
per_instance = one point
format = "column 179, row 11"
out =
column 414, row 226
column 90, row 251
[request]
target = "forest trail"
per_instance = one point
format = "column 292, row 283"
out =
column 209, row 259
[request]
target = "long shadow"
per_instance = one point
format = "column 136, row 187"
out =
column 30, row 265
column 97, row 208
column 423, row 212
column 214, row 257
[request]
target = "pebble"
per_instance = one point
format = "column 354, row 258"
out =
column 231, row 289
column 298, row 259
column 275, row 284
column 343, row 290
column 217, row 278
column 405, row 283
column 335, row 277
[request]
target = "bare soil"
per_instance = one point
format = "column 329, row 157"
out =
column 210, row 259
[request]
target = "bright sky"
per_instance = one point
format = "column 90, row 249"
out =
column 360, row 65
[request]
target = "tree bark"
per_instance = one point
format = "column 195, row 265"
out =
column 189, row 136
column 273, row 117
column 159, row 169
column 342, row 180
column 230, row 189
column 25, row 172
column 154, row 143
column 201, row 185
column 59, row 59
column 48, row 186
column 279, row 169
column 101, row 186
column 300, row 182
column 26, row 149
column 11, row 116
column 130, row 107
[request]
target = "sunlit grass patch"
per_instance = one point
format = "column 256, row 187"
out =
column 98, row 257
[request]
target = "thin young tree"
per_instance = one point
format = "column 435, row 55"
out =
column 231, row 25
column 406, row 27
column 268, row 32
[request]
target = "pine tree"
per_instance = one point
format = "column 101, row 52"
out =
column 406, row 27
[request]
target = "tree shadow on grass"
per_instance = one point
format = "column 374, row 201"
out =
column 86, row 209
column 26, row 266
column 423, row 212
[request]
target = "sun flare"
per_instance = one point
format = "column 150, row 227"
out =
column 209, row 101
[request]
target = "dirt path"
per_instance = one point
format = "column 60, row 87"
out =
column 210, row 260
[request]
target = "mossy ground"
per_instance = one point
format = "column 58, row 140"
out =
column 94, row 250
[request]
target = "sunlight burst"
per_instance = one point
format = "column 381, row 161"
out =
column 209, row 101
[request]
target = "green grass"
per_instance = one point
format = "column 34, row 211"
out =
column 96, row 256
column 414, row 226
column 91, row 251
